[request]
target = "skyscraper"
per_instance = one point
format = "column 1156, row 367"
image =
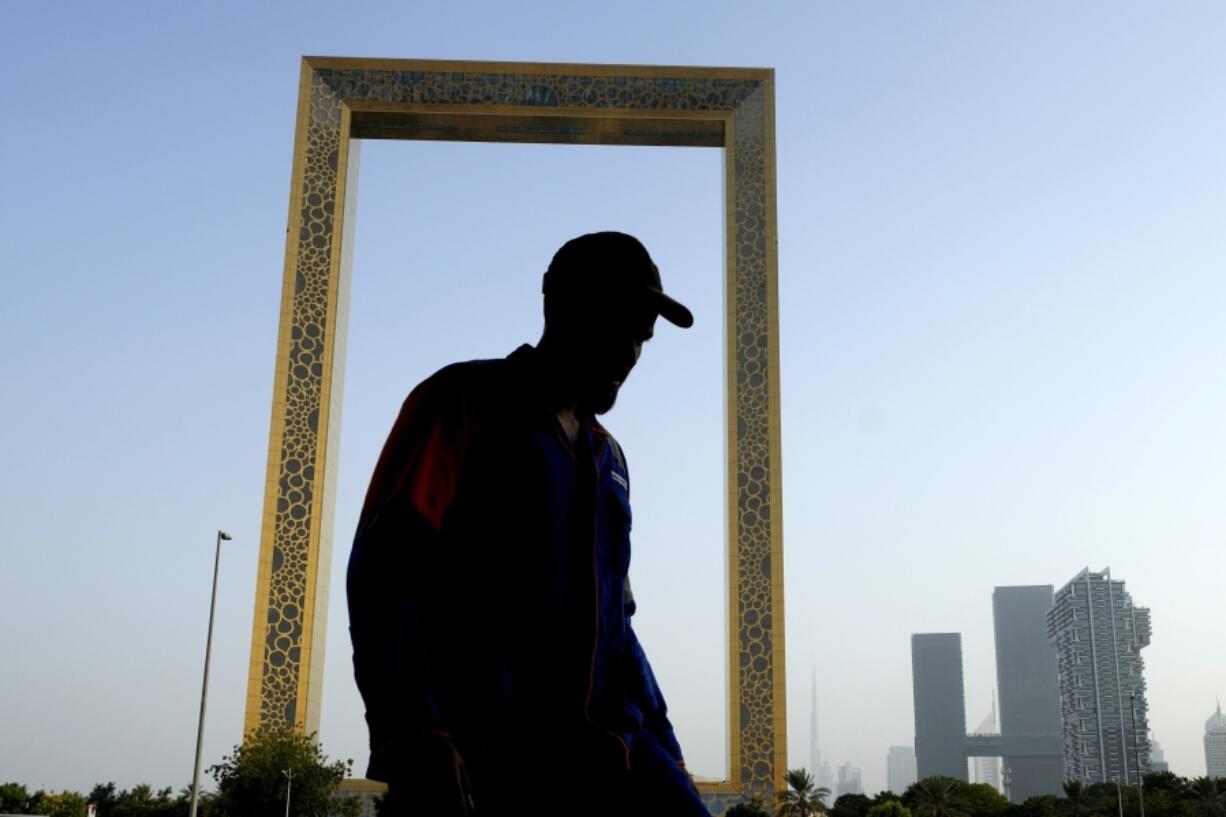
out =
column 940, row 712
column 900, row 768
column 986, row 768
column 1029, row 687
column 1215, row 744
column 849, row 780
column 1157, row 760
column 815, row 754
column 823, row 777
column 1099, row 634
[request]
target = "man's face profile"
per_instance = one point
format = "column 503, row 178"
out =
column 602, row 298
column 604, row 347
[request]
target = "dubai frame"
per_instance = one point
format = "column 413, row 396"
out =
column 344, row 100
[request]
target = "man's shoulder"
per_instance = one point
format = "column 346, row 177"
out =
column 465, row 374
column 472, row 382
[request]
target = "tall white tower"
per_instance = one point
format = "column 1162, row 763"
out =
column 1215, row 744
column 987, row 769
column 815, row 754
column 822, row 775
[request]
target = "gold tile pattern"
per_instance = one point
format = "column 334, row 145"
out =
column 287, row 654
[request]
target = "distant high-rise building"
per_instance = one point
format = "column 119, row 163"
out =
column 986, row 769
column 825, row 776
column 849, row 780
column 1098, row 634
column 815, row 754
column 900, row 768
column 1157, row 760
column 1029, row 684
column 940, row 712
column 1215, row 744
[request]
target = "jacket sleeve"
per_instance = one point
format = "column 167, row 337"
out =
column 395, row 553
column 642, row 691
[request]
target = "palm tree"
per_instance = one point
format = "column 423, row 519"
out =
column 1209, row 796
column 938, row 797
column 1077, row 798
column 803, row 798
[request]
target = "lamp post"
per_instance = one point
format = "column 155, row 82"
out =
column 289, row 781
column 204, row 690
column 1136, row 748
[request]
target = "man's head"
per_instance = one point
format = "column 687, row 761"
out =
column 602, row 297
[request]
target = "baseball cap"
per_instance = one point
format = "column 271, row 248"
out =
column 612, row 264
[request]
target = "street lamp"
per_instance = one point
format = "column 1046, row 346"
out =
column 204, row 691
column 289, row 781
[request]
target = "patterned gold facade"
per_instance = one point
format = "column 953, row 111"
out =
column 344, row 100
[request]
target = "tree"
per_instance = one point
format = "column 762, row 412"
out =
column 142, row 801
column 1166, row 781
column 65, row 804
column 1208, row 796
column 103, row 795
column 851, row 805
column 982, row 800
column 802, row 798
column 751, row 807
column 1044, row 805
column 15, row 799
column 1106, row 798
column 937, row 797
column 1076, row 799
column 889, row 808
column 251, row 779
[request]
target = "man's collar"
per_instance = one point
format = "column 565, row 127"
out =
column 532, row 384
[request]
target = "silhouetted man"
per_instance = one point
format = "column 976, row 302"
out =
column 489, row 603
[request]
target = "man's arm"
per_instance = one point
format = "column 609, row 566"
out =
column 642, row 691
column 396, row 557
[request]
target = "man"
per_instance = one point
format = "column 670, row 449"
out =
column 488, row 595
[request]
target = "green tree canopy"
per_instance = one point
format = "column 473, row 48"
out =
column 64, row 804
column 1045, row 805
column 251, row 780
column 15, row 799
column 851, row 805
column 889, row 808
column 938, row 797
column 982, row 800
column 803, row 798
column 1208, row 796
column 751, row 807
column 103, row 796
column 1168, row 782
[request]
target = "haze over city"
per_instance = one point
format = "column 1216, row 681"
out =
column 1001, row 284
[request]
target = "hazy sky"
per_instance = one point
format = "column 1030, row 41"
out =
column 1002, row 286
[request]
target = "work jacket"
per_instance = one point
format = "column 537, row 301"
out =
column 488, row 592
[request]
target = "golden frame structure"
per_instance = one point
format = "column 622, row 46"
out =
column 344, row 100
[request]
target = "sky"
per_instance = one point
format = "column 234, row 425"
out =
column 1001, row 262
